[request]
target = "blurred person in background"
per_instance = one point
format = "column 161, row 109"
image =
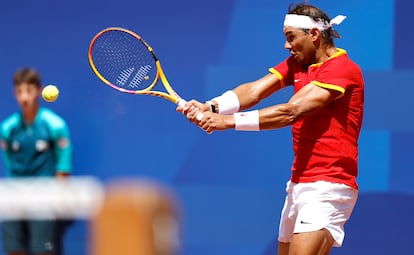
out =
column 35, row 143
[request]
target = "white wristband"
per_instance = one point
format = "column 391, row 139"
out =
column 228, row 103
column 247, row 121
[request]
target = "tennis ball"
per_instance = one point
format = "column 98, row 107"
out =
column 50, row 93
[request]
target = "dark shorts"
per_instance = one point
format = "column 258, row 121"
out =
column 37, row 235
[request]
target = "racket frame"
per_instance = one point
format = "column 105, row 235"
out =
column 160, row 75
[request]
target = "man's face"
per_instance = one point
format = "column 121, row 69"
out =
column 27, row 95
column 300, row 45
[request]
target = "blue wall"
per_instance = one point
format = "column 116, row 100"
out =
column 231, row 184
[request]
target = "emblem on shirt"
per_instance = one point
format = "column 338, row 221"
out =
column 63, row 143
column 15, row 146
column 49, row 246
column 41, row 145
column 3, row 144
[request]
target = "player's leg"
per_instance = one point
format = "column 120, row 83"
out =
column 42, row 237
column 287, row 222
column 283, row 248
column 317, row 242
column 323, row 209
column 13, row 234
column 61, row 229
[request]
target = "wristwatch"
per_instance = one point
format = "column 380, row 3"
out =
column 212, row 106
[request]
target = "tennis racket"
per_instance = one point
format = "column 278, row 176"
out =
column 127, row 63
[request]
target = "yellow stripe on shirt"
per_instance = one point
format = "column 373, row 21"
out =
column 279, row 75
column 330, row 86
column 339, row 52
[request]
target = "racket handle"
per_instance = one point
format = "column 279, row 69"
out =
column 181, row 102
column 200, row 116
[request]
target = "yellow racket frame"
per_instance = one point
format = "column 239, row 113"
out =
column 171, row 95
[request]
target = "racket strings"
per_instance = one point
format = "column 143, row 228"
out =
column 124, row 60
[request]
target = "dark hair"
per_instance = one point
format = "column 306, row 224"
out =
column 317, row 15
column 27, row 75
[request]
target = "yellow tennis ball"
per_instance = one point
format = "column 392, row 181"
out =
column 50, row 93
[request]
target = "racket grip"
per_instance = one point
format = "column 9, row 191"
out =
column 181, row 102
column 200, row 116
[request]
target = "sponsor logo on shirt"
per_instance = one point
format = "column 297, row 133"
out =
column 41, row 145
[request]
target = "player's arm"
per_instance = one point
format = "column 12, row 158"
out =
column 4, row 136
column 240, row 98
column 63, row 150
column 5, row 152
column 306, row 101
column 251, row 93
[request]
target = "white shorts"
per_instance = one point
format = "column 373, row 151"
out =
column 315, row 206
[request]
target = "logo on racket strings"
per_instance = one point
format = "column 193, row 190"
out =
column 132, row 77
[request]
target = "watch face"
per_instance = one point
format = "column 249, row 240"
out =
column 212, row 106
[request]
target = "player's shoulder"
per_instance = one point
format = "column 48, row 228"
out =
column 51, row 118
column 10, row 122
column 344, row 60
column 340, row 64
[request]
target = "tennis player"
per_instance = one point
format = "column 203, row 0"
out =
column 35, row 143
column 325, row 112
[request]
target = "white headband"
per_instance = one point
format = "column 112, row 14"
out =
column 303, row 21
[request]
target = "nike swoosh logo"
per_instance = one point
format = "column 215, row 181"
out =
column 297, row 80
column 304, row 222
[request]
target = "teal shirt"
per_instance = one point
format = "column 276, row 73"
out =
column 38, row 149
